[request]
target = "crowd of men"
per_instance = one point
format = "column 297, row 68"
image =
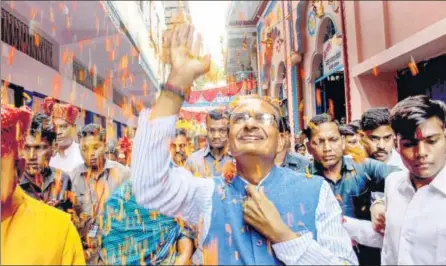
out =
column 370, row 192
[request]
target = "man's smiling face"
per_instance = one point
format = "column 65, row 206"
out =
column 253, row 129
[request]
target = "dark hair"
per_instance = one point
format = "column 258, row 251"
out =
column 411, row 112
column 316, row 121
column 355, row 125
column 347, row 130
column 91, row 130
column 217, row 114
column 298, row 145
column 181, row 132
column 283, row 125
column 40, row 124
column 374, row 118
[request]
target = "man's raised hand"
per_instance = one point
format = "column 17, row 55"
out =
column 186, row 64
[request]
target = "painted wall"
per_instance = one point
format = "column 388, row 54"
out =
column 384, row 34
column 308, row 37
column 271, row 20
column 35, row 76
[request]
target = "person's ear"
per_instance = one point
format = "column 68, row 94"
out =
column 280, row 143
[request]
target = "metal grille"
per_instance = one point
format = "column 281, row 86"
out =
column 83, row 76
column 17, row 34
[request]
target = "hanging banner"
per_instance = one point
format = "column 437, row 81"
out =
column 332, row 55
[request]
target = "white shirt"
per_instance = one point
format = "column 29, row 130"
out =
column 71, row 160
column 415, row 223
column 175, row 191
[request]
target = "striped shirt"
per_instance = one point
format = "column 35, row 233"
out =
column 175, row 191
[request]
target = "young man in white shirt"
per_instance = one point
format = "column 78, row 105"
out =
column 379, row 138
column 67, row 154
column 414, row 208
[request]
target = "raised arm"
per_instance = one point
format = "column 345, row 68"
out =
column 172, row 191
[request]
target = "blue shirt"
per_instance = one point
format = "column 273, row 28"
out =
column 358, row 180
column 204, row 164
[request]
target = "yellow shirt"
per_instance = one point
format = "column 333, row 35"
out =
column 38, row 234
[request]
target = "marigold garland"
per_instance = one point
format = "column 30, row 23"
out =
column 229, row 172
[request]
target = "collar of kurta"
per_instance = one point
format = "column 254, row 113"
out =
column 107, row 165
column 47, row 180
column 439, row 181
column 240, row 183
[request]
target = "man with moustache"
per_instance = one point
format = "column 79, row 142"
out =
column 67, row 154
column 351, row 182
column 210, row 160
column 32, row 233
column 93, row 183
column 379, row 138
column 261, row 208
column 41, row 181
column 413, row 209
column 178, row 148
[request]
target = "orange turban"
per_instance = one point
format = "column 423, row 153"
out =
column 15, row 124
column 63, row 111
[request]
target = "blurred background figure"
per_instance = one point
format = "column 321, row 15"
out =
column 124, row 151
column 178, row 148
column 111, row 151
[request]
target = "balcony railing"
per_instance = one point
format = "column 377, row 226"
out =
column 17, row 34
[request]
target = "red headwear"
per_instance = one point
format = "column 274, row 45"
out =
column 15, row 124
column 64, row 111
column 125, row 145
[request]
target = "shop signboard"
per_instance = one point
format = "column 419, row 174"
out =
column 332, row 55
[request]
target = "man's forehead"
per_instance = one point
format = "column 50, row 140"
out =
column 257, row 105
column 325, row 130
column 428, row 128
column 35, row 140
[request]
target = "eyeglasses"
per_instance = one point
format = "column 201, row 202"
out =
column 261, row 118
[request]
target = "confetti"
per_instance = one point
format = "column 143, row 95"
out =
column 375, row 71
column 339, row 198
column 413, row 67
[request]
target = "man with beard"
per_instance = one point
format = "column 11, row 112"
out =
column 413, row 210
column 93, row 183
column 351, row 182
column 210, row 160
column 178, row 148
column 378, row 137
column 41, row 181
column 261, row 208
column 67, row 154
column 286, row 158
column 32, row 233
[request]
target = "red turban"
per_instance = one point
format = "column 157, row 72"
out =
column 65, row 111
column 15, row 124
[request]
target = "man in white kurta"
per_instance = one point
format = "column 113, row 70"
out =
column 415, row 200
column 67, row 154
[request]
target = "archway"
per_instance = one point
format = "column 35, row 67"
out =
column 327, row 72
column 279, row 90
